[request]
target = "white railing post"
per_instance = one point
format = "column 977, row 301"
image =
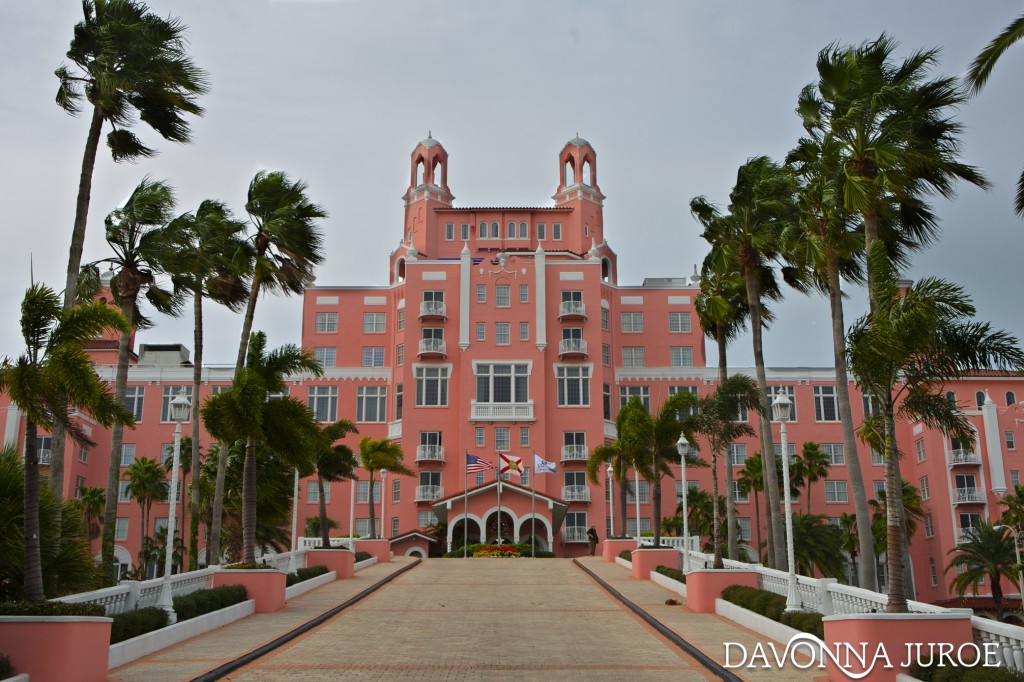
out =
column 825, row 596
column 132, row 598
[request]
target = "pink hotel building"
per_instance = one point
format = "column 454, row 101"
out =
column 505, row 329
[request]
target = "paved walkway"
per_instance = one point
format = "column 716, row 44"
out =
column 450, row 619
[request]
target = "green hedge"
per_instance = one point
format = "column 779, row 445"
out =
column 771, row 605
column 249, row 567
column 138, row 622
column 202, row 602
column 626, row 554
column 50, row 608
column 304, row 574
column 363, row 556
column 523, row 547
column 947, row 673
column 673, row 573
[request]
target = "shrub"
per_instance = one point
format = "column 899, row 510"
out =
column 506, row 551
column 806, row 621
column 6, row 669
column 673, row 573
column 363, row 556
column 626, row 554
column 304, row 574
column 249, row 567
column 50, row 608
column 771, row 605
column 138, row 622
column 202, row 602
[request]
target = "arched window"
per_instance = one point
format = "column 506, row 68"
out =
column 523, row 231
column 979, row 398
column 419, row 173
column 606, row 270
column 400, row 270
column 511, row 229
column 588, row 174
column 951, row 397
column 482, row 232
column 1010, row 399
column 439, row 173
column 570, row 174
column 495, row 233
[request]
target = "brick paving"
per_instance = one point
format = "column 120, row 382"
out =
column 467, row 620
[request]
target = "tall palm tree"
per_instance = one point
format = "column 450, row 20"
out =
column 380, row 454
column 981, row 69
column 701, row 514
column 334, row 462
column 283, row 426
column 621, row 460
column 913, row 512
column 52, row 373
column 135, row 233
column 902, row 353
column 147, row 481
column 989, row 554
column 185, row 467
column 210, row 259
column 812, row 466
column 817, row 544
column 92, row 501
column 751, row 479
column 851, row 541
column 749, row 238
column 1013, row 515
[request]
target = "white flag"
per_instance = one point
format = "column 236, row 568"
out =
column 542, row 466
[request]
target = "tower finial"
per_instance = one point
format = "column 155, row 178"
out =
column 430, row 134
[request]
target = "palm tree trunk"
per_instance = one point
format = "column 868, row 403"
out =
column 116, row 436
column 142, row 537
column 325, row 534
column 656, row 500
column 777, row 557
column 997, row 595
column 249, row 504
column 197, row 376
column 868, row 575
column 33, row 562
column 730, row 500
column 897, row 602
column 250, row 313
column 716, row 541
column 213, row 550
column 757, row 514
column 373, row 526
column 623, row 482
column 870, row 235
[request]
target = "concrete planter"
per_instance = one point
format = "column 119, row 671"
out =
column 57, row 647
column 378, row 548
column 341, row 561
column 895, row 634
column 612, row 547
column 267, row 588
column 704, row 586
column 645, row 560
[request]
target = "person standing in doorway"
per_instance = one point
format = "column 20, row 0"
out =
column 592, row 539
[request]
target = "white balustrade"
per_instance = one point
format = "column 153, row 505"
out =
column 576, row 493
column 395, row 429
column 610, row 431
column 432, row 309
column 1010, row 639
column 131, row 594
column 429, row 453
column 314, row 543
column 967, row 495
column 965, row 457
column 572, row 347
column 428, row 493
column 575, row 453
column 574, row 534
column 432, row 346
column 572, row 309
column 501, row 411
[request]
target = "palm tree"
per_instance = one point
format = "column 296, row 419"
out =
column 147, row 483
column 981, row 69
column 751, row 479
column 380, row 454
column 92, row 501
column 185, row 466
column 989, row 553
column 283, row 426
column 851, row 541
column 812, row 466
column 621, row 461
column 334, row 462
column 748, row 238
column 210, row 259
column 902, row 353
column 701, row 514
column 52, row 373
column 1013, row 515
column 817, row 544
column 287, row 244
column 136, row 235
column 913, row 512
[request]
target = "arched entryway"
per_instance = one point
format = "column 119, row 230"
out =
column 460, row 534
column 508, row 527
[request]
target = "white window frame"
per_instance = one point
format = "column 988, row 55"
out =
column 824, row 395
column 681, row 356
column 323, row 402
column 375, row 323
column 432, row 373
column 679, row 323
column 373, row 356
column 633, row 356
column 836, row 493
column 502, row 296
column 367, row 396
column 632, row 322
column 326, row 323
column 326, row 356
column 565, row 375
column 502, row 333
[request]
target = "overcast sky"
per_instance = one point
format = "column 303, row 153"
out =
column 673, row 96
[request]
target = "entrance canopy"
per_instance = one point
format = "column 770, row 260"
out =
column 522, row 512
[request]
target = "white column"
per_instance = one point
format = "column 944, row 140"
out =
column 465, row 270
column 540, row 260
column 993, row 445
column 13, row 425
column 292, row 566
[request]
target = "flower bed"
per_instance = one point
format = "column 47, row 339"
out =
column 523, row 550
column 496, row 551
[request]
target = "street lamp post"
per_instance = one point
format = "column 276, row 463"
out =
column 611, row 501
column 383, row 499
column 179, row 413
column 781, row 411
column 636, row 500
column 681, row 446
column 295, row 523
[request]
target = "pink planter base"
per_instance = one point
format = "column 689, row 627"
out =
column 704, row 586
column 378, row 548
column 341, row 561
column 57, row 647
column 266, row 587
column 611, row 548
column 646, row 560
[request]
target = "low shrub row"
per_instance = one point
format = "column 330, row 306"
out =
column 202, row 602
column 50, row 608
column 249, row 567
column 948, row 673
column 673, row 573
column 772, row 606
column 363, row 556
column 304, row 574
column 626, row 554
column 523, row 548
column 138, row 622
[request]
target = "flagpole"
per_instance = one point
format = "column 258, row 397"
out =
column 465, row 510
column 499, row 498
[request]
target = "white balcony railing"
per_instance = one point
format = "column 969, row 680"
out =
column 965, row 535
column 575, row 453
column 501, row 411
column 572, row 309
column 44, row 456
column 395, row 429
column 965, row 457
column 435, row 346
column 429, row 453
column 572, row 347
column 967, row 495
column 574, row 534
column 576, row 493
column 432, row 309
column 429, row 493
column 611, row 432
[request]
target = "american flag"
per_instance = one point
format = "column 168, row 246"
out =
column 475, row 465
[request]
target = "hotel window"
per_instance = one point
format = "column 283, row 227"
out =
column 744, row 524
column 919, row 446
column 122, row 492
column 524, row 293
column 482, row 231
column 394, row 526
column 789, row 392
column 871, row 405
column 400, row 354
column 44, row 448
column 791, row 447
column 373, row 356
column 323, row 402
column 425, row 519
column 325, row 357
column 825, row 405
column 934, row 573
column 951, row 397
column 481, row 293
column 481, row 331
column 431, row 386
column 605, row 319
column 556, row 231
column 371, row 403
column 606, row 354
column 834, row 452
column 524, row 436
column 922, row 485
column 645, row 526
column 363, row 527
column 573, row 386
column 929, row 528
column 633, row 356
column 313, row 492
column 679, row 322
column 326, row 323
column 400, row 320
column 1014, row 478
column 480, row 442
column 642, row 392
column 511, row 230
column 83, row 453
column 502, row 383
column 686, row 411
column 876, row 457
column 541, row 232
column 979, row 399
column 479, row 478
column 396, row 490
column 464, row 232
column 502, row 296
column 127, row 454
column 1010, row 442
column 739, row 494
column 398, row 402
column 644, row 492
column 606, row 400
column 742, row 413
column 373, row 323
column 632, row 323
column 170, row 393
column 738, row 454
column 502, row 333
column 495, row 231
column 524, row 331
column 835, row 491
column 449, row 231
column 133, row 398
column 362, row 490
column 79, row 484
column 502, row 439
column 681, row 356
column 121, row 530
column 879, row 487
column 1011, row 399
column 524, row 232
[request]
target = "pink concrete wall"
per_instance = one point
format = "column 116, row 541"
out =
column 265, row 586
column 83, row 645
column 704, row 586
column 646, row 560
column 341, row 561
